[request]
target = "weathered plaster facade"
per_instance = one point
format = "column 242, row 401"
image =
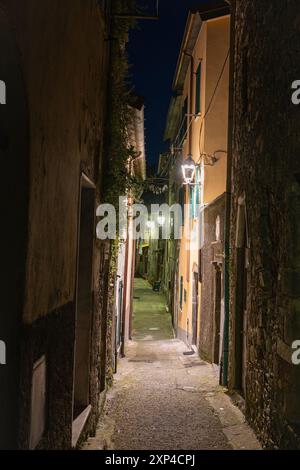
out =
column 201, row 110
column 57, row 91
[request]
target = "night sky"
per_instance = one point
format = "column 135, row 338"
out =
column 153, row 51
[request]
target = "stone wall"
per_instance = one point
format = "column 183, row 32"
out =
column 266, row 166
column 52, row 336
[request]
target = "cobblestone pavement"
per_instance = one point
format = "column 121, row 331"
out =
column 162, row 399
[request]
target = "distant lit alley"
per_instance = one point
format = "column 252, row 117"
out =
column 156, row 378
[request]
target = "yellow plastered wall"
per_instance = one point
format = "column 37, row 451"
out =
column 216, row 121
column 209, row 134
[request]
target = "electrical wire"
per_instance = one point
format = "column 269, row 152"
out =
column 205, row 114
column 211, row 101
column 202, row 121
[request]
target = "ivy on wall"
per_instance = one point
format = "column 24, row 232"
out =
column 119, row 154
column 118, row 180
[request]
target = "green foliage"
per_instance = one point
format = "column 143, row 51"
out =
column 114, row 250
column 119, row 154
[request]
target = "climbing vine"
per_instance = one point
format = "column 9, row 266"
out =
column 119, row 153
column 118, row 179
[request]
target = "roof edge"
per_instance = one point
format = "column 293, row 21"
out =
column 196, row 17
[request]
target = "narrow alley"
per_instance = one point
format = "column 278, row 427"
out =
column 163, row 399
column 151, row 226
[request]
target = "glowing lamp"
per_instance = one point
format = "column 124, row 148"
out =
column 188, row 170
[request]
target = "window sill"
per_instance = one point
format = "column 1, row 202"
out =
column 79, row 424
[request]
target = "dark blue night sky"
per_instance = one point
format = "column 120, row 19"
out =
column 153, row 51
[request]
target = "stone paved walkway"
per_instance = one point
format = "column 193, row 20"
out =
column 162, row 399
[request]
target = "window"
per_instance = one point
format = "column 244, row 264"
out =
column 183, row 130
column 181, row 292
column 198, row 90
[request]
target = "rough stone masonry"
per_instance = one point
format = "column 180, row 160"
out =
column 266, row 173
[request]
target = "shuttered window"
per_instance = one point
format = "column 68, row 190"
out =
column 183, row 132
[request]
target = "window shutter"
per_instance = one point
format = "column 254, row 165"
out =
column 198, row 90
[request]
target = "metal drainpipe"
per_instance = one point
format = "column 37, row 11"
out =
column 190, row 132
column 123, row 318
column 134, row 247
column 224, row 378
column 126, row 280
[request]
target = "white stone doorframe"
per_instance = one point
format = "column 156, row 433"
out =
column 242, row 246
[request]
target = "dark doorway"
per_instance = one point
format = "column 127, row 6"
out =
column 84, row 305
column 158, row 265
column 217, row 314
column 14, row 153
column 195, row 309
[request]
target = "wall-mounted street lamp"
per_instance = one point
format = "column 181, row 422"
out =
column 188, row 170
